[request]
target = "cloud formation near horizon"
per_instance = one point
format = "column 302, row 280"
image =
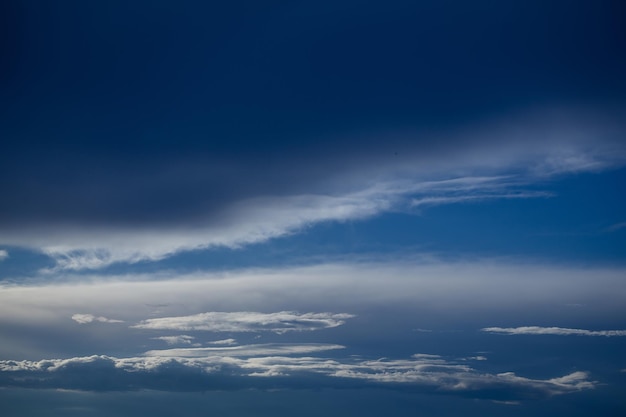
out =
column 560, row 331
column 256, row 370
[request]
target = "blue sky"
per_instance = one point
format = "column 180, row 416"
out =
column 348, row 208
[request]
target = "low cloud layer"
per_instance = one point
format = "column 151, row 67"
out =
column 559, row 331
column 222, row 370
column 246, row 321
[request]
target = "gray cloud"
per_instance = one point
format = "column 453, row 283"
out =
column 247, row 321
column 3, row 254
column 560, row 331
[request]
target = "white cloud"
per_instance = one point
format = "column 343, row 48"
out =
column 560, row 331
column 176, row 340
column 223, row 342
column 427, row 372
column 88, row 318
column 246, row 321
column 244, row 350
column 3, row 254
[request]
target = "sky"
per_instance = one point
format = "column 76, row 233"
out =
column 348, row 208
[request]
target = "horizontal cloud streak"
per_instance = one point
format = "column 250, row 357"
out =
column 176, row 340
column 560, row 331
column 245, row 350
column 88, row 318
column 246, row 321
column 421, row 372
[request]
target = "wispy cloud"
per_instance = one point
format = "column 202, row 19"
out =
column 560, row 331
column 246, row 321
column 3, row 254
column 500, row 162
column 88, row 318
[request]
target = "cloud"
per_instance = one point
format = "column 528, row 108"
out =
column 455, row 287
column 496, row 161
column 176, row 340
column 222, row 370
column 3, row 254
column 223, row 342
column 245, row 350
column 88, row 318
column 560, row 331
column 246, row 321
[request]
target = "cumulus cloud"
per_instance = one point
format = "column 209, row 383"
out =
column 88, row 318
column 560, row 331
column 223, row 370
column 246, row 321
column 3, row 254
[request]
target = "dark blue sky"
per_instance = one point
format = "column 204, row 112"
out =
column 367, row 207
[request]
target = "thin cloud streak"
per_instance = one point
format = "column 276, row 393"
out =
column 176, row 340
column 559, row 331
column 246, row 321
